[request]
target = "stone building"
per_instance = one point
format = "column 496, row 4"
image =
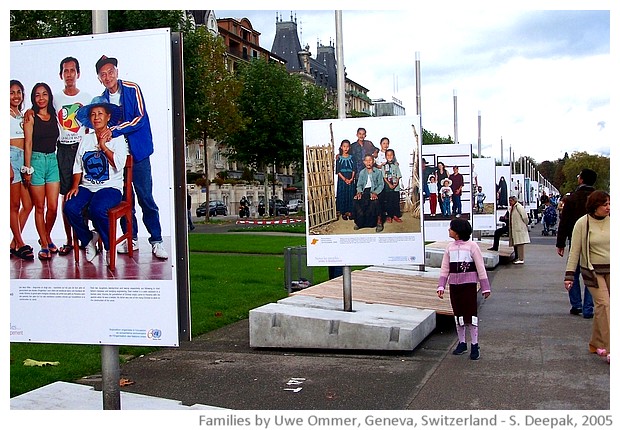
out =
column 243, row 44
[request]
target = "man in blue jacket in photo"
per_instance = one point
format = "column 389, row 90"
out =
column 136, row 128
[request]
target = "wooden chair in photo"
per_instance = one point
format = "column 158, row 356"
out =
column 123, row 209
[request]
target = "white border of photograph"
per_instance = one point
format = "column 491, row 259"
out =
column 369, row 248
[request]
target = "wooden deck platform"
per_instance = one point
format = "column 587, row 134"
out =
column 396, row 289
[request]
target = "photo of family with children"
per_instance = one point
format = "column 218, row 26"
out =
column 374, row 188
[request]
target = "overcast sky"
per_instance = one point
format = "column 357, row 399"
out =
column 540, row 79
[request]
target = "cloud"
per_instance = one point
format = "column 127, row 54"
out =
column 541, row 78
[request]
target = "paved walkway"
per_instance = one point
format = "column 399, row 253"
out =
column 534, row 356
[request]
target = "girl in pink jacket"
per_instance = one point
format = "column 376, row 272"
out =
column 462, row 268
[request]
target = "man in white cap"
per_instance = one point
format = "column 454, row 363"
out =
column 136, row 128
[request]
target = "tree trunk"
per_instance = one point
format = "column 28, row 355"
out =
column 206, row 172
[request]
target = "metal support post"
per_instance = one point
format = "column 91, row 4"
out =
column 110, row 376
column 346, row 289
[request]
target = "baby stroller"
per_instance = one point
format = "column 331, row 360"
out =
column 550, row 218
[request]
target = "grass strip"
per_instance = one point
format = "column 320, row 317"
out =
column 223, row 289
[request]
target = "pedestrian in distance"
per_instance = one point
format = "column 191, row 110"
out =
column 499, row 232
column 573, row 208
column 190, row 224
column 518, row 234
column 462, row 267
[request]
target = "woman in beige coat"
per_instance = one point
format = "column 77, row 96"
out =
column 518, row 234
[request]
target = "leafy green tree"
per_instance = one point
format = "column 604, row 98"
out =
column 273, row 103
column 211, row 92
column 430, row 138
column 43, row 24
column 547, row 170
column 580, row 160
column 317, row 104
column 128, row 20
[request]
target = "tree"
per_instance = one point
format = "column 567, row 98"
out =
column 430, row 138
column 317, row 105
column 580, row 160
column 43, row 24
column 274, row 107
column 211, row 91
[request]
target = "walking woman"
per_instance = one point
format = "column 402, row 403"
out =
column 20, row 203
column 591, row 250
column 518, row 235
column 42, row 177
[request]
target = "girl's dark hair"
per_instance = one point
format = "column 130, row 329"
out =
column 340, row 148
column 595, row 199
column 21, row 86
column 442, row 165
column 462, row 228
column 50, row 104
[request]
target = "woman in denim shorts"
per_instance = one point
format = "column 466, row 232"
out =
column 19, row 196
column 43, row 179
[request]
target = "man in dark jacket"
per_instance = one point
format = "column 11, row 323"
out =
column 500, row 231
column 574, row 208
column 136, row 128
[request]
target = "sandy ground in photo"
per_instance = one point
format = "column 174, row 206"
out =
column 409, row 225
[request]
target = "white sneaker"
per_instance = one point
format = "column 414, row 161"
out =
column 159, row 251
column 517, row 262
column 122, row 247
column 91, row 248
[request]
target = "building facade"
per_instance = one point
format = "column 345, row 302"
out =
column 242, row 43
column 382, row 107
column 322, row 70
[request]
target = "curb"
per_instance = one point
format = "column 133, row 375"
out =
column 279, row 221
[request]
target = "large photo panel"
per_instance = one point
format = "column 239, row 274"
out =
column 502, row 191
column 449, row 166
column 362, row 191
column 483, row 193
column 59, row 300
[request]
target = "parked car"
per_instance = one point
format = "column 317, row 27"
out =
column 280, row 207
column 216, row 207
column 294, row 205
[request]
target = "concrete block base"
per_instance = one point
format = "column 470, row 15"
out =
column 321, row 323
column 68, row 396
